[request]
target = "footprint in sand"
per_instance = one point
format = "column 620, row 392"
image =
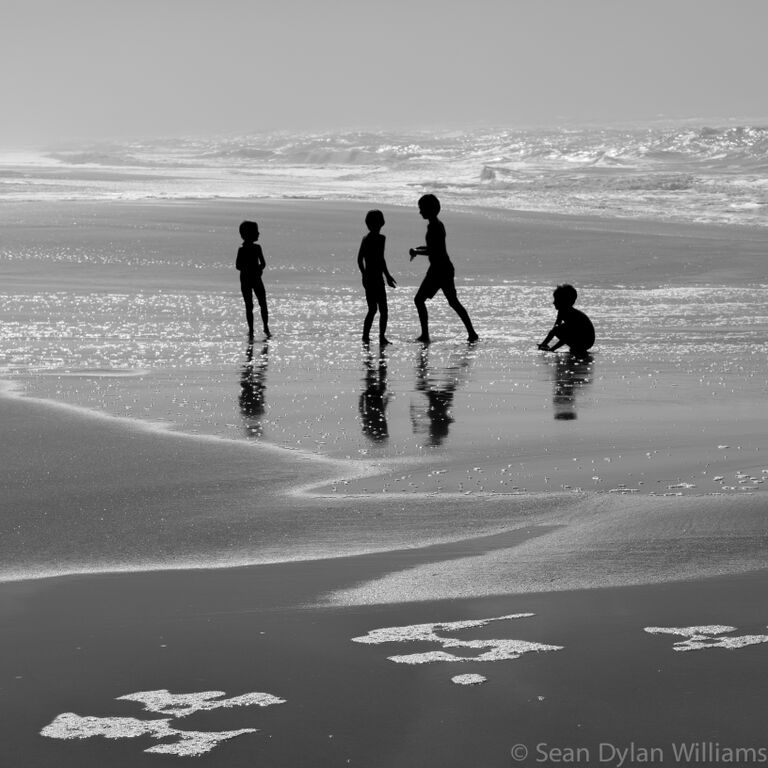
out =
column 187, row 744
column 709, row 636
column 492, row 649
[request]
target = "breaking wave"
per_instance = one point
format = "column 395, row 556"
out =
column 684, row 171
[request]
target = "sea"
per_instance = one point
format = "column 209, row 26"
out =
column 690, row 170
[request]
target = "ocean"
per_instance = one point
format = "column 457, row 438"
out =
column 684, row 171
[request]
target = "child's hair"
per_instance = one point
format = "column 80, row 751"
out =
column 374, row 219
column 249, row 230
column 430, row 204
column 565, row 292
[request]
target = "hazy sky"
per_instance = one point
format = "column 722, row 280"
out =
column 123, row 68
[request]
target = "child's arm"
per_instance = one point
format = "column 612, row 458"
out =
column 420, row 250
column 239, row 259
column 390, row 280
column 544, row 346
column 260, row 258
column 361, row 257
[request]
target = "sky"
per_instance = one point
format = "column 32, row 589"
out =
column 101, row 69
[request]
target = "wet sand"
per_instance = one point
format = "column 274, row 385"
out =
column 78, row 643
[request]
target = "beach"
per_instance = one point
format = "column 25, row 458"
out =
column 186, row 511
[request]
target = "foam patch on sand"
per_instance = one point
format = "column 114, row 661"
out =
column 186, row 743
column 428, row 632
column 708, row 636
column 468, row 679
column 182, row 704
column 497, row 650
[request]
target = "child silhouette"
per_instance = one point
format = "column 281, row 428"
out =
column 250, row 262
column 440, row 275
column 572, row 326
column 370, row 260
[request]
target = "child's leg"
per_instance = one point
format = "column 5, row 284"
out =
column 370, row 298
column 246, row 290
column 261, row 295
column 420, row 300
column 576, row 342
column 430, row 285
column 449, row 289
column 383, row 316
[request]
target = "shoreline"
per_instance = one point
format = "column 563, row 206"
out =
column 585, row 522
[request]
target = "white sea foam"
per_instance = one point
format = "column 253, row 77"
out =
column 189, row 743
column 428, row 632
column 497, row 650
column 182, row 704
column 468, row 679
column 698, row 638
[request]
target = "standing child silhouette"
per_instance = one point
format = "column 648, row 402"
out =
column 373, row 267
column 440, row 274
column 250, row 263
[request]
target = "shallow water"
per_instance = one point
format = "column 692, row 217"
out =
column 674, row 369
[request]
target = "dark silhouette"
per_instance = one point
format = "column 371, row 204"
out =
column 250, row 262
column 252, row 388
column 373, row 400
column 571, row 374
column 572, row 326
column 373, row 267
column 440, row 275
column 437, row 418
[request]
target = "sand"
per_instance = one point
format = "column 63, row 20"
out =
column 183, row 513
column 77, row 644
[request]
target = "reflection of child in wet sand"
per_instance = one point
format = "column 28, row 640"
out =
column 373, row 267
column 250, row 263
column 373, row 400
column 440, row 274
column 572, row 326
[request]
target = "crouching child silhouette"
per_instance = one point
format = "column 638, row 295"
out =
column 250, row 263
column 572, row 327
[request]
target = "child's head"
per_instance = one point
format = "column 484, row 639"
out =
column 249, row 231
column 374, row 220
column 564, row 296
column 429, row 206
